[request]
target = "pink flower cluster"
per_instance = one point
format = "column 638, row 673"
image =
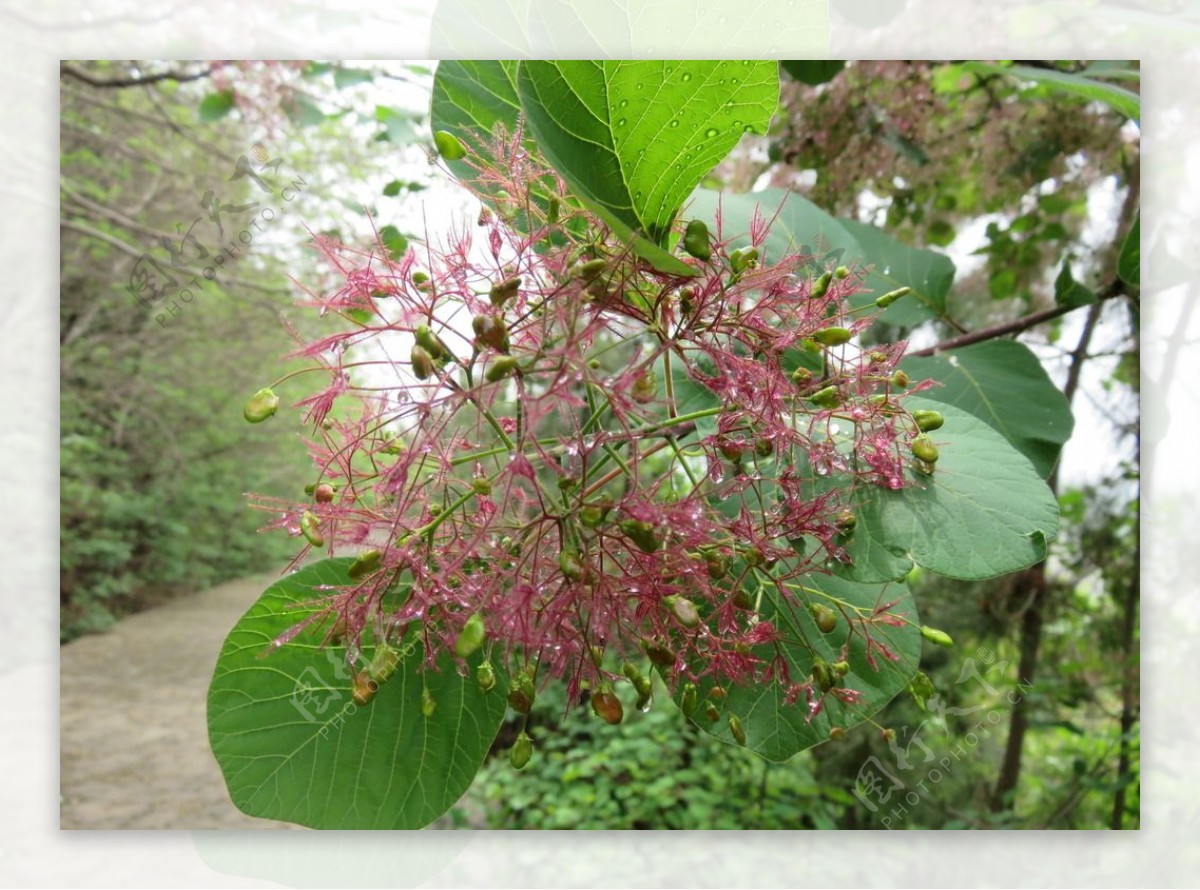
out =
column 596, row 459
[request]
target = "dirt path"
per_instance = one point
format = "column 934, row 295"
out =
column 134, row 746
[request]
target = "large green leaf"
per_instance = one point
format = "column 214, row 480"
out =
column 636, row 137
column 798, row 225
column 985, row 511
column 1120, row 99
column 1002, row 383
column 895, row 264
column 471, row 98
column 777, row 730
column 293, row 746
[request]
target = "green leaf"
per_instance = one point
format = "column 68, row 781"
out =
column 1129, row 262
column 293, row 746
column 798, row 226
column 215, row 106
column 1068, row 292
column 394, row 240
column 895, row 264
column 985, row 511
column 777, row 730
column 1003, row 384
column 393, row 188
column 348, row 77
column 470, row 98
column 1121, row 100
column 813, row 71
column 398, row 126
column 636, row 137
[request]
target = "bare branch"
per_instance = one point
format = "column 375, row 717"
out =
column 1016, row 326
column 133, row 80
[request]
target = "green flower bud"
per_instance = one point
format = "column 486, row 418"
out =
column 821, row 286
column 764, row 447
column 500, row 368
column 716, row 564
column 491, row 332
column 590, row 271
column 695, row 240
column 688, row 699
column 921, row 689
column 552, row 210
column 428, row 705
column 608, row 708
column 367, row 563
column 485, row 677
column 892, row 296
column 829, row 397
column 262, row 404
column 846, row 520
column 924, row 449
column 449, row 146
column 471, row 637
column 659, row 655
column 482, row 485
column 841, row 272
column 712, row 713
column 521, row 693
column 687, row 300
column 684, row 610
column 742, row 259
column 645, row 388
column 384, row 664
column 736, row 730
column 521, row 751
column 504, row 291
column 824, row 617
column 742, row 600
column 593, row 514
column 422, row 362
column 429, row 341
column 937, row 637
column 731, row 449
column 840, row 668
column 572, row 567
column 900, row 380
column 642, row 534
column 836, row 733
column 928, row 421
column 363, row 688
column 310, row 527
column 833, row 336
column 420, row 278
column 802, row 376
column 888, row 735
column 823, row 676
column 323, row 493
column 637, row 679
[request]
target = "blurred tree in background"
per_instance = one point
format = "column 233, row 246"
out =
column 165, row 174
